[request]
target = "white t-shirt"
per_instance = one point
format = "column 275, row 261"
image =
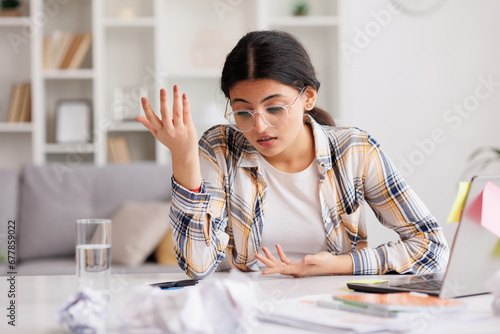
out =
column 292, row 212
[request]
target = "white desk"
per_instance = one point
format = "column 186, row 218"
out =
column 39, row 297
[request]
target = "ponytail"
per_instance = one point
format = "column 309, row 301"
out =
column 321, row 116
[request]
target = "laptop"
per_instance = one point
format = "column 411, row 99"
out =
column 474, row 258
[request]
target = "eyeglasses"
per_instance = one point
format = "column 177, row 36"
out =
column 275, row 116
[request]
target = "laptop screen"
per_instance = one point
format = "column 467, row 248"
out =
column 474, row 256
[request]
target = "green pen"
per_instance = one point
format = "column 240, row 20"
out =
column 375, row 311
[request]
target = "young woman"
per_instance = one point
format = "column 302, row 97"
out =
column 281, row 187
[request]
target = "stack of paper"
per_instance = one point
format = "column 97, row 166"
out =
column 364, row 313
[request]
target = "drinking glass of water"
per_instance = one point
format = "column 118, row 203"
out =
column 93, row 254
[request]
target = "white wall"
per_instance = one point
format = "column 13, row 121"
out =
column 409, row 75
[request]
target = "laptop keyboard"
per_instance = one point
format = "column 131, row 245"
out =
column 422, row 285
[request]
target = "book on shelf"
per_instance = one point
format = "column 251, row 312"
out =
column 118, row 150
column 15, row 99
column 62, row 45
column 65, row 50
column 71, row 50
column 81, row 51
column 26, row 104
column 20, row 103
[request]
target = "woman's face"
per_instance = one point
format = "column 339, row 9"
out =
column 256, row 95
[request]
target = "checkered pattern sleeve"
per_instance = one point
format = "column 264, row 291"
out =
column 198, row 254
column 422, row 247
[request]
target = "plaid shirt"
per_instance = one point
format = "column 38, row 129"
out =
column 352, row 170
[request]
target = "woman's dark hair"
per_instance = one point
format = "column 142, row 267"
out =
column 273, row 55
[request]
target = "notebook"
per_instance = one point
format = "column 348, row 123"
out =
column 474, row 257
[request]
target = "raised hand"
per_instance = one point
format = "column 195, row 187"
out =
column 177, row 132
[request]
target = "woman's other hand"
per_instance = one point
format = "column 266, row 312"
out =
column 317, row 264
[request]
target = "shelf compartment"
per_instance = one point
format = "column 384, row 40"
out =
column 16, row 63
column 74, row 15
column 133, row 77
column 60, row 90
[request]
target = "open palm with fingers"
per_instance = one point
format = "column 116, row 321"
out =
column 175, row 129
column 316, row 264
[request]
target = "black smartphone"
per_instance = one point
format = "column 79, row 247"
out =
column 175, row 284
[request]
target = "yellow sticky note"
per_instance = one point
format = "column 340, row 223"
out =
column 496, row 250
column 458, row 205
column 369, row 281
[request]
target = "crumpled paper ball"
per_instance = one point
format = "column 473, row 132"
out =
column 139, row 312
column 85, row 312
column 215, row 306
column 493, row 284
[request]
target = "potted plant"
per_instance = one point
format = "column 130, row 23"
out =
column 300, row 8
column 484, row 160
column 3, row 255
column 11, row 7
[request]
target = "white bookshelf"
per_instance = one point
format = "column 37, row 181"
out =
column 162, row 43
column 54, row 85
column 16, row 139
